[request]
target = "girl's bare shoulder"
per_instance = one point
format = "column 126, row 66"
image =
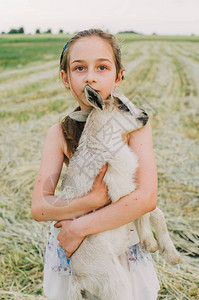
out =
column 56, row 133
column 141, row 138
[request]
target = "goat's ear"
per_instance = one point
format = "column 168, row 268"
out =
column 126, row 105
column 93, row 97
column 122, row 106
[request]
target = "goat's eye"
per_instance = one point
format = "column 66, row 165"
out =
column 123, row 107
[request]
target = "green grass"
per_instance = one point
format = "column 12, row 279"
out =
column 128, row 38
column 17, row 51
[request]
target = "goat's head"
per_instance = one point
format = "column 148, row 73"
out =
column 121, row 108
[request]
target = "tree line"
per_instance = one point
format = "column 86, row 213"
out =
column 21, row 31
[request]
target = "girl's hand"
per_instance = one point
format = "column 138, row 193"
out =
column 99, row 190
column 69, row 236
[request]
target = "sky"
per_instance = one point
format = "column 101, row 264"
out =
column 144, row 16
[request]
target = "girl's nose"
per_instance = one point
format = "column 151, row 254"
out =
column 90, row 76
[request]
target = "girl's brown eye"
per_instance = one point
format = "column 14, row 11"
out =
column 102, row 68
column 80, row 68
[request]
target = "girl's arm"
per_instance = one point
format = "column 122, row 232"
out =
column 47, row 207
column 128, row 208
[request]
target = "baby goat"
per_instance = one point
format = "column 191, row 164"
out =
column 95, row 265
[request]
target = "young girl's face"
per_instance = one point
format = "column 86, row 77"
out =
column 91, row 61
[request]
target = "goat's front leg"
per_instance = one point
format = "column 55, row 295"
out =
column 166, row 245
column 146, row 236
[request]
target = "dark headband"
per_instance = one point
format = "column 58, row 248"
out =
column 65, row 46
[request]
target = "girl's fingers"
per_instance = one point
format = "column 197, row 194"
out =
column 58, row 224
column 102, row 171
column 68, row 254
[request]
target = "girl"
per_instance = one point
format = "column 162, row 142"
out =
column 92, row 57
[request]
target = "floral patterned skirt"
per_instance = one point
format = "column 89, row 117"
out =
column 56, row 279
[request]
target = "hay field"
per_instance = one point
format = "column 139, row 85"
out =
column 162, row 77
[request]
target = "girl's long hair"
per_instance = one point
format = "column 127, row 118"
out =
column 72, row 131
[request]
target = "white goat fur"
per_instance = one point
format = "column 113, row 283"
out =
column 95, row 265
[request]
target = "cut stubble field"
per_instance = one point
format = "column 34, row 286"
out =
column 162, row 77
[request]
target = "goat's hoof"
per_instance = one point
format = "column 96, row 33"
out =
column 172, row 256
column 150, row 245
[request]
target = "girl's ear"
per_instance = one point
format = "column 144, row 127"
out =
column 65, row 78
column 119, row 78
